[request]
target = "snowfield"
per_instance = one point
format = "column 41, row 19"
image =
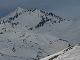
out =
column 29, row 45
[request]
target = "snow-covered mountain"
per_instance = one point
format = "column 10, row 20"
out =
column 43, row 22
column 70, row 53
column 31, row 34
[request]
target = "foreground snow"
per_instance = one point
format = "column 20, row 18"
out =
column 72, row 54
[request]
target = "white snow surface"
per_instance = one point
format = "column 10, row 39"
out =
column 73, row 54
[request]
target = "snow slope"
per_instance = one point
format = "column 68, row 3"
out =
column 29, row 45
column 72, row 54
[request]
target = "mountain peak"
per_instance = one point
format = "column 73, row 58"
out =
column 40, row 17
column 19, row 9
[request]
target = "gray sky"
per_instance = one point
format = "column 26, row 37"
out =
column 69, row 9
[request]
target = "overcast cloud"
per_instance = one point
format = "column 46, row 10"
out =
column 69, row 9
